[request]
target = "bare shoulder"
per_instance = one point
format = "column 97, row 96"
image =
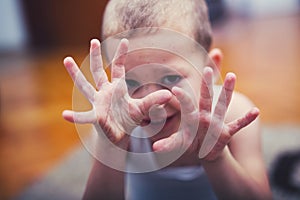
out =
column 239, row 105
column 247, row 139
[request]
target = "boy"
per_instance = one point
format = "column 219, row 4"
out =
column 159, row 106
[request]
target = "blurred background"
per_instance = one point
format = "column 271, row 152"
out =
column 41, row 156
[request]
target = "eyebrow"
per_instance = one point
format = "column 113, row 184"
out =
column 165, row 69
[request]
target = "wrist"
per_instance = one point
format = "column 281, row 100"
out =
column 220, row 157
column 112, row 137
column 124, row 142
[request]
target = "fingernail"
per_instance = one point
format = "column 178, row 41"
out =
column 125, row 40
column 95, row 43
column 255, row 110
column 207, row 69
column 67, row 60
column 230, row 75
column 166, row 94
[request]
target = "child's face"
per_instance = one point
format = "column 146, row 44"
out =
column 149, row 70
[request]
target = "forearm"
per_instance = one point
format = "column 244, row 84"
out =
column 104, row 183
column 231, row 181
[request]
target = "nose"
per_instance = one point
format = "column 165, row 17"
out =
column 146, row 89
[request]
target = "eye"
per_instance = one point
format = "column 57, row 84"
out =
column 131, row 84
column 171, row 79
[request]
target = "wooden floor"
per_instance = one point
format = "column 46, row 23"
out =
column 265, row 55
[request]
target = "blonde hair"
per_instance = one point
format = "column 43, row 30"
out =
column 189, row 17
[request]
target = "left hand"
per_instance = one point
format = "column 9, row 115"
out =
column 202, row 130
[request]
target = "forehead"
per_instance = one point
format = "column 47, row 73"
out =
column 157, row 60
column 153, row 45
column 150, row 55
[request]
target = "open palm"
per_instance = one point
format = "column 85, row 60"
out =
column 203, row 130
column 112, row 107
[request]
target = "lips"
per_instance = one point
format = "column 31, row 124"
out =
column 146, row 122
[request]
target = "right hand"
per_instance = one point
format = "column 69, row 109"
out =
column 112, row 107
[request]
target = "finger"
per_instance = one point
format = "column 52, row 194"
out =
column 189, row 111
column 79, row 79
column 118, row 69
column 179, row 141
column 144, row 105
column 235, row 126
column 225, row 96
column 80, row 117
column 96, row 64
column 167, row 144
column 206, row 90
column 186, row 102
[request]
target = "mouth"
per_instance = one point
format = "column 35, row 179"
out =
column 156, row 122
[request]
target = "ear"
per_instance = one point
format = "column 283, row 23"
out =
column 215, row 59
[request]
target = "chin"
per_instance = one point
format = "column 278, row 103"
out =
column 164, row 129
